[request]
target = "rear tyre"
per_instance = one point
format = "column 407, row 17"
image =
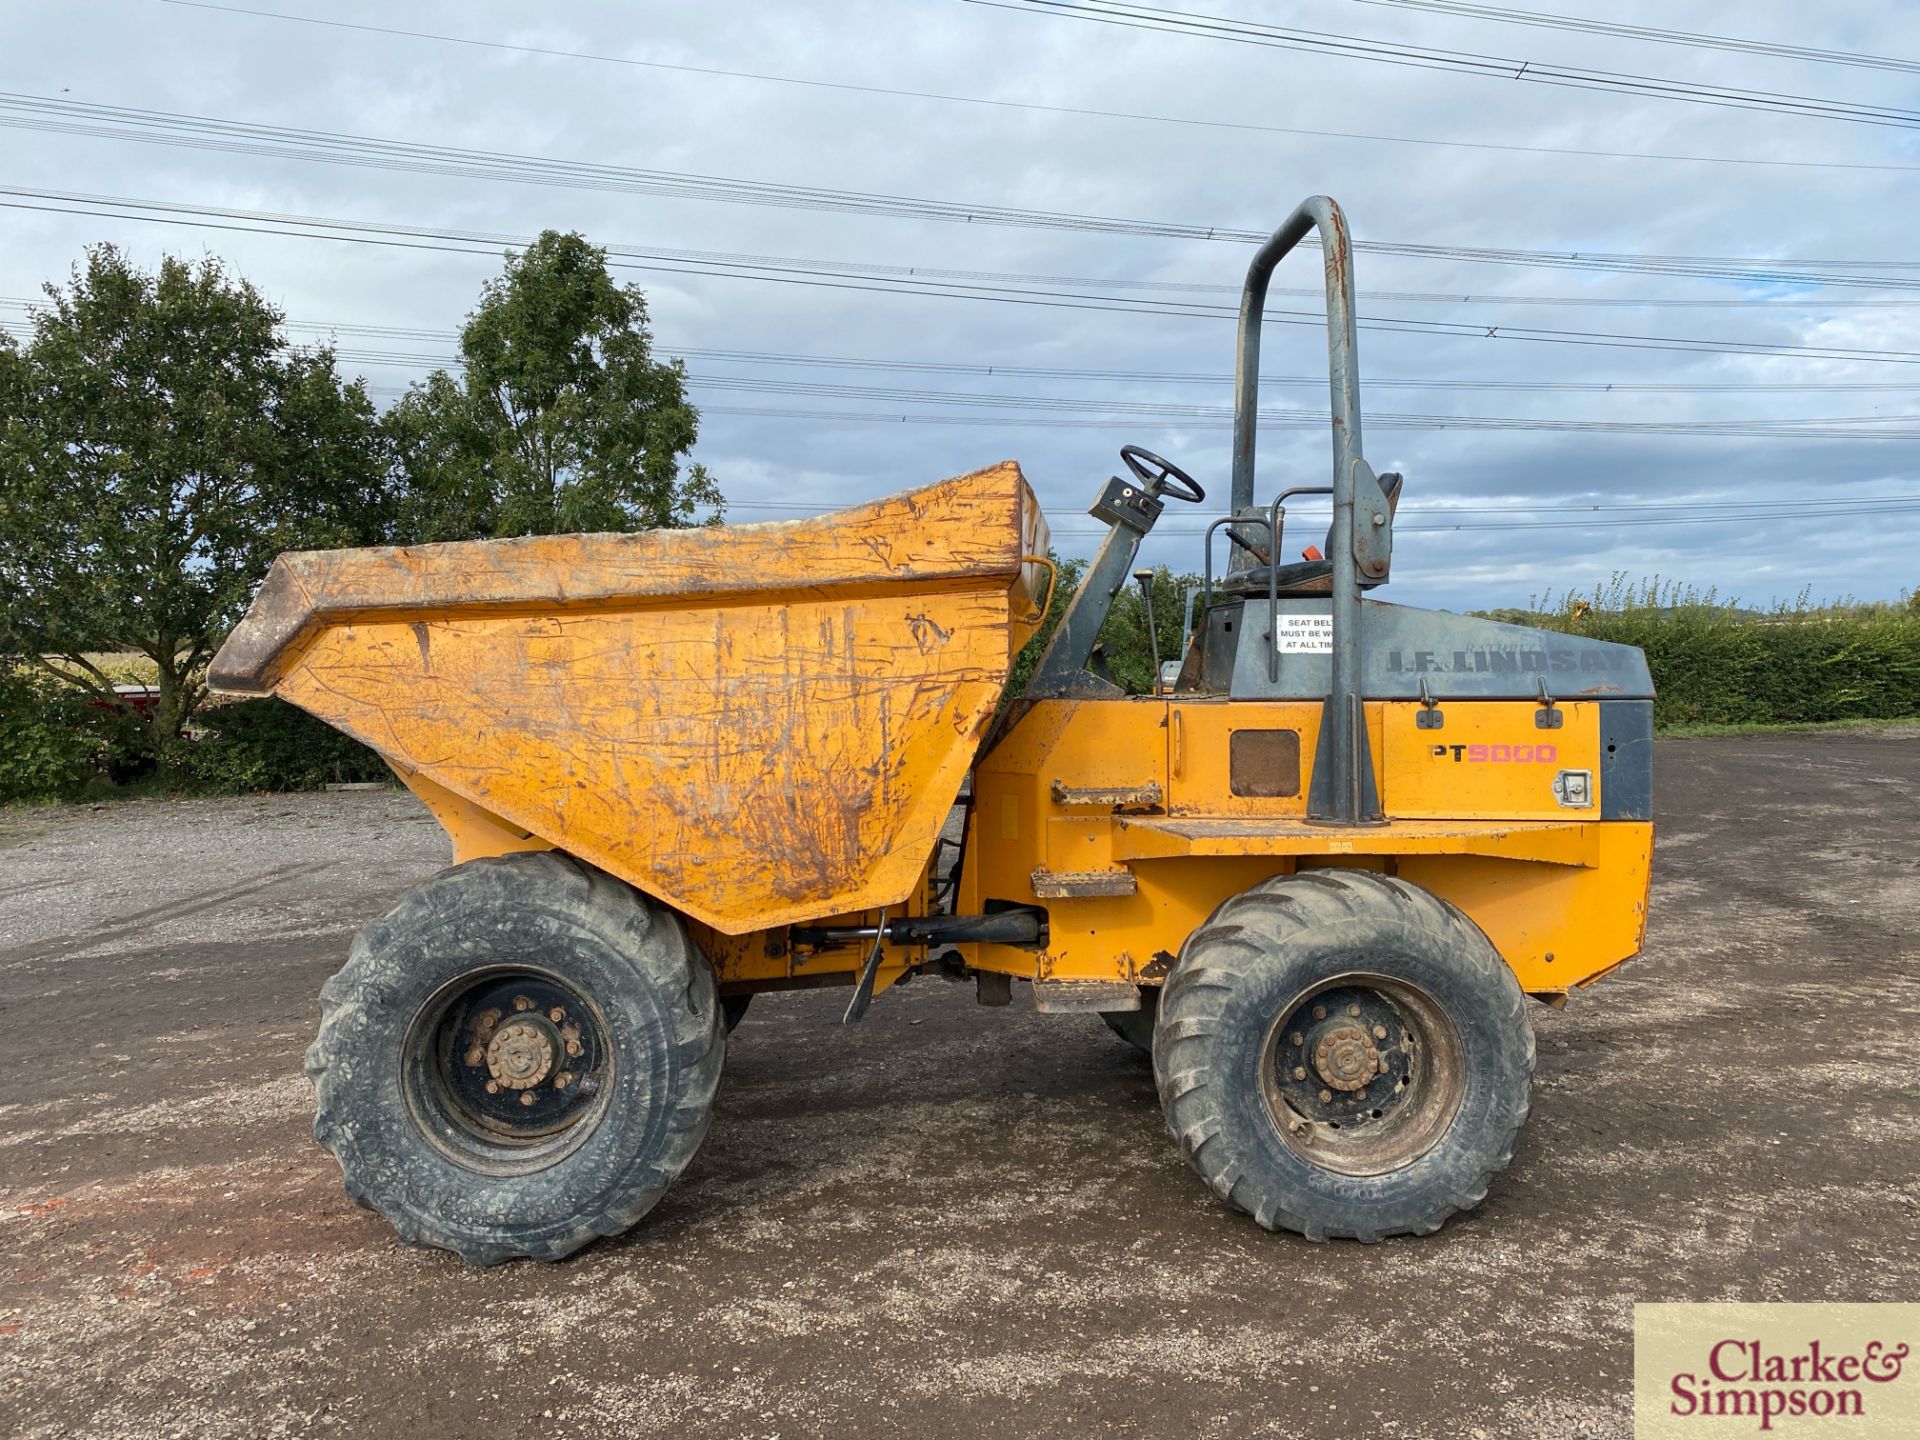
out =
column 519, row 1057
column 1342, row 1054
column 1136, row 1026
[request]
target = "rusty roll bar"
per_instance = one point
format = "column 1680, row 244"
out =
column 1343, row 374
column 1343, row 791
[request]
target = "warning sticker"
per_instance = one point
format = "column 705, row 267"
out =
column 1304, row 634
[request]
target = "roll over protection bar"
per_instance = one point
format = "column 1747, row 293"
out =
column 1343, row 789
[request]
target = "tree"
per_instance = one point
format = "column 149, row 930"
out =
column 1124, row 638
column 562, row 421
column 159, row 445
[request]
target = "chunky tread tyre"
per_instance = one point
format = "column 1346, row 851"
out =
column 602, row 938
column 1136, row 1026
column 1261, row 948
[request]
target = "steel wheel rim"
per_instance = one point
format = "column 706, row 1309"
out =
column 1362, row 1073
column 507, row 1069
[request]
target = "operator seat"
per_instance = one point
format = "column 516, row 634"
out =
column 1312, row 575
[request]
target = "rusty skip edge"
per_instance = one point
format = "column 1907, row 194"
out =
column 881, row 543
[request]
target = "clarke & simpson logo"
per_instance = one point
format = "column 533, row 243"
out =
column 1813, row 1370
column 1743, row 1378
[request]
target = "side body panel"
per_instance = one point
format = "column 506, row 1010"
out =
column 1560, row 893
column 752, row 765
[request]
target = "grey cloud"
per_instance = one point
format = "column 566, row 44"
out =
column 141, row 52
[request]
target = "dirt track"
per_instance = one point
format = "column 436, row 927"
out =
column 951, row 1220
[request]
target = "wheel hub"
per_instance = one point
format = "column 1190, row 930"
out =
column 511, row 1059
column 520, row 1055
column 1362, row 1073
column 1346, row 1057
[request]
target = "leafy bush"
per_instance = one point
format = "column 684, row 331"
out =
column 58, row 744
column 1123, row 643
column 53, row 741
column 268, row 744
column 1715, row 663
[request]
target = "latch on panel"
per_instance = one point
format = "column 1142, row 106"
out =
column 1574, row 789
column 1548, row 716
column 1431, row 716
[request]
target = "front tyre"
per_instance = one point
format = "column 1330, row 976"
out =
column 1343, row 1054
column 517, row 1058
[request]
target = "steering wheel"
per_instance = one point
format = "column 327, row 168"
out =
column 1161, row 476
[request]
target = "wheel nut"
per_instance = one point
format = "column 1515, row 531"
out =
column 1299, row 1072
column 1353, row 1009
column 1379, row 1032
column 477, row 1056
column 1296, row 1038
column 1319, row 1012
column 520, row 1055
column 521, row 1002
column 1326, row 1097
column 556, row 1014
column 574, row 1049
column 493, row 1087
column 526, row 1097
column 563, row 1079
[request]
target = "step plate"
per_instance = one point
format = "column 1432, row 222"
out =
column 1078, row 884
column 1079, row 997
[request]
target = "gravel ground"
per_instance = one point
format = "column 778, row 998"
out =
column 950, row 1220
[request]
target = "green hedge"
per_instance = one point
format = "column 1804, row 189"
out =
column 56, row 744
column 1714, row 663
column 270, row 745
column 53, row 741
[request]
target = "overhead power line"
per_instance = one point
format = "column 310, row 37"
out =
column 1102, row 411
column 1767, row 511
column 1432, row 523
column 1161, row 21
column 1098, row 412
column 815, row 275
column 1015, row 371
column 199, row 132
column 1759, row 517
column 1136, row 423
column 1108, row 407
column 1585, row 25
column 47, row 114
column 1316, row 382
column 1105, row 412
column 1032, row 106
column 1518, row 507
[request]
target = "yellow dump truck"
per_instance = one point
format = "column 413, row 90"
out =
column 1315, row 874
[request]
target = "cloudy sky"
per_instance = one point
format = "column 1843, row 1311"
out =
column 1449, row 153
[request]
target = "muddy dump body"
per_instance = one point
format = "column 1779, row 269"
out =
column 756, row 724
